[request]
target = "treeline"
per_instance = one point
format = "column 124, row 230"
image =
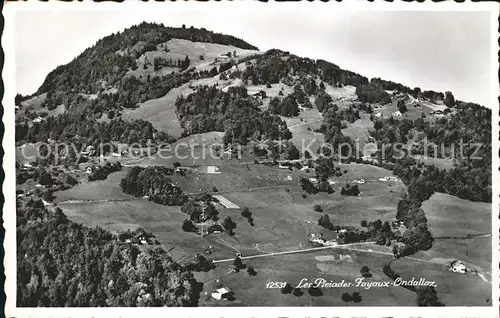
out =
column 155, row 183
column 87, row 132
column 102, row 172
column 236, row 114
column 64, row 264
column 276, row 65
column 415, row 92
column 159, row 62
column 372, row 93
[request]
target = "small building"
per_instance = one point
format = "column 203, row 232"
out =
column 361, row 181
column 222, row 293
column 383, row 179
column 331, row 182
column 397, row 114
column 38, row 119
column 313, row 180
column 378, row 115
column 213, row 170
column 331, row 243
column 90, row 170
column 458, row 267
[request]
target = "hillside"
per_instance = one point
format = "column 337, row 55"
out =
column 271, row 145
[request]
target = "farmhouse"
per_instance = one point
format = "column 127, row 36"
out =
column 330, row 182
column 213, row 170
column 458, row 267
column 317, row 238
column 222, row 293
column 313, row 180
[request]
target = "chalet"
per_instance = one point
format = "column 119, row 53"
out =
column 90, row 150
column 222, row 293
column 458, row 267
column 317, row 238
column 331, row 243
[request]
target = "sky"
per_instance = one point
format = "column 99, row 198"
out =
column 438, row 50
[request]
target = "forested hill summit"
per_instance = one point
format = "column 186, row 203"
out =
column 112, row 55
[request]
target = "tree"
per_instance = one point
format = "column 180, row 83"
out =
column 237, row 263
column 346, row 297
column 314, row 291
column 356, row 297
column 402, row 106
column 228, row 224
column 365, row 272
column 214, row 189
column 176, row 164
column 427, row 296
column 287, row 289
column 297, row 292
column 449, row 100
column 318, row 208
column 245, row 212
column 188, row 226
column 378, row 125
column 251, row 271
column 18, row 99
column 364, row 223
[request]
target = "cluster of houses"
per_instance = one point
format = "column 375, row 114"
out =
column 438, row 113
column 141, row 239
column 319, row 240
column 388, row 178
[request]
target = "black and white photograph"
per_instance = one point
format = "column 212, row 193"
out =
column 294, row 157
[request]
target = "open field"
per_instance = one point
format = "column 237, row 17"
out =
column 359, row 129
column 160, row 112
column 453, row 289
column 99, row 190
column 450, row 216
column 326, row 264
column 283, row 220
